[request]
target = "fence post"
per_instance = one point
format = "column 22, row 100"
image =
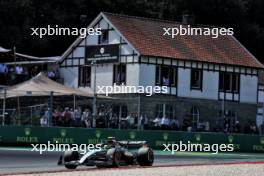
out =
column 50, row 108
column 4, row 107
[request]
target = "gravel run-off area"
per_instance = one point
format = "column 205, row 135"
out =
column 204, row 170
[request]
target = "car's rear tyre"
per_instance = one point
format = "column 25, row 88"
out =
column 114, row 156
column 145, row 156
column 71, row 156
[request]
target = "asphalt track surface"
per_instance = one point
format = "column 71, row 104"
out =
column 21, row 161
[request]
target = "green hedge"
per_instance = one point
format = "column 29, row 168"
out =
column 19, row 136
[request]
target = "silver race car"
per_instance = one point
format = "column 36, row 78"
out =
column 112, row 154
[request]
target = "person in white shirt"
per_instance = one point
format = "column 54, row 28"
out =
column 130, row 121
column 157, row 122
column 44, row 121
column 189, row 128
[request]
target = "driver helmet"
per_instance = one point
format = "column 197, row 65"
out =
column 111, row 141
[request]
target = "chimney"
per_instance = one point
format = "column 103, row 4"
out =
column 187, row 19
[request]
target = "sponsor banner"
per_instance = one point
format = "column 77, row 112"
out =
column 102, row 53
column 30, row 135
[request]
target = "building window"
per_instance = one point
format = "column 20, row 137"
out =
column 173, row 76
column 195, row 115
column 228, row 82
column 164, row 109
column 196, row 79
column 166, row 76
column 169, row 111
column 103, row 38
column 158, row 75
column 85, row 76
column 120, row 110
column 120, row 74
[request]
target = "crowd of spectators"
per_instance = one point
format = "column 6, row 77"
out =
column 106, row 118
column 14, row 74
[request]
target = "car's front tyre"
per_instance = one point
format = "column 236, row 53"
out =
column 70, row 156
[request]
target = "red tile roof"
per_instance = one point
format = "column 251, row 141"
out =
column 146, row 35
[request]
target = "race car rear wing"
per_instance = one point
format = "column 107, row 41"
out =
column 133, row 143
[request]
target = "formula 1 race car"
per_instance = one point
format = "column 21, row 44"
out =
column 112, row 154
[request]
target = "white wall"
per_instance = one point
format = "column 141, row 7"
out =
column 103, row 24
column 143, row 74
column 79, row 52
column 104, row 71
column 210, row 85
column 248, row 88
column 92, row 40
column 147, row 75
column 70, row 76
column 132, row 74
column 114, row 38
column 104, row 75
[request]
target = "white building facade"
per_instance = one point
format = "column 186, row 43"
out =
column 204, row 85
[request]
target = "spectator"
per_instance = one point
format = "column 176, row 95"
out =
column 12, row 76
column 72, row 119
column 130, row 121
column 108, row 117
column 262, row 128
column 114, row 121
column 3, row 74
column 78, row 116
column 237, row 127
column 3, row 68
column 51, row 74
column 142, row 122
column 207, row 126
column 86, row 118
column 44, row 121
column 165, row 80
column 56, row 117
column 19, row 73
column 19, row 69
column 146, row 122
column 67, row 117
column 165, row 122
column 226, row 127
column 157, row 122
column 34, row 71
column 253, row 128
column 189, row 128
column 174, row 124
